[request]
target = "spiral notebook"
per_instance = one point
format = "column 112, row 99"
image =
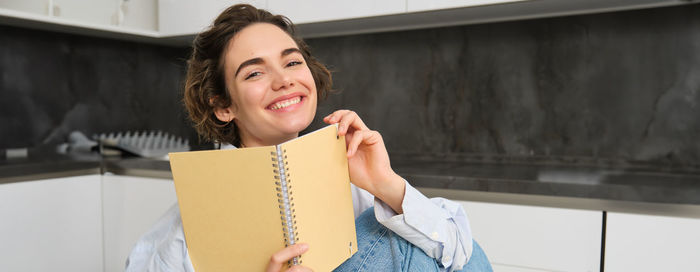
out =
column 240, row 206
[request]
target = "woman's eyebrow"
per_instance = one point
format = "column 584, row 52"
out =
column 289, row 51
column 248, row 62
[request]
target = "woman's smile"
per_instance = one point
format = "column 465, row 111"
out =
column 287, row 103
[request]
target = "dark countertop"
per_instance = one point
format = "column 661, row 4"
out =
column 64, row 166
column 630, row 183
column 459, row 178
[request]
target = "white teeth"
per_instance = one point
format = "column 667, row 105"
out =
column 285, row 103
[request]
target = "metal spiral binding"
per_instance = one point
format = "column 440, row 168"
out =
column 285, row 199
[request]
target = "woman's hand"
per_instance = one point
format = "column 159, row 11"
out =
column 281, row 257
column 368, row 160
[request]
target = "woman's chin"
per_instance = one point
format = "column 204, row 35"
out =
column 296, row 127
column 290, row 126
column 295, row 124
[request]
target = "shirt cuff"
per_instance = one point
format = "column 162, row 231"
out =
column 419, row 212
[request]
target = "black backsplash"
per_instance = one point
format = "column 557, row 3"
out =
column 619, row 86
column 614, row 86
column 55, row 83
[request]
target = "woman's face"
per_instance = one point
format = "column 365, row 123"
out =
column 273, row 91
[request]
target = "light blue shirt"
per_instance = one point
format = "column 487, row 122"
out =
column 437, row 226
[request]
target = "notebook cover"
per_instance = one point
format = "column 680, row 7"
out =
column 229, row 206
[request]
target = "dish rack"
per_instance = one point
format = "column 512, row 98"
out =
column 147, row 144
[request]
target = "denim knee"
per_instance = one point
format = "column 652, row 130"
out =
column 380, row 249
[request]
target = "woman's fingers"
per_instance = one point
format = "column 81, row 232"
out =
column 368, row 137
column 334, row 117
column 281, row 257
column 347, row 120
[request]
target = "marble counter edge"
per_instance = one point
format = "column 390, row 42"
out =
column 518, row 192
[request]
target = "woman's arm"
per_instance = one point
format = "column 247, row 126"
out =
column 437, row 226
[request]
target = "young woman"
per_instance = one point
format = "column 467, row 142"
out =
column 252, row 82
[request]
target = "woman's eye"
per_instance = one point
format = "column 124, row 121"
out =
column 253, row 74
column 293, row 63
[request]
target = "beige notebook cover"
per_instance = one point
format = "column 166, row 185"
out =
column 230, row 203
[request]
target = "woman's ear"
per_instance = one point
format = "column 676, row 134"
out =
column 224, row 114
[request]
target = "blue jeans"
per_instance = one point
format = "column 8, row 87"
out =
column 380, row 249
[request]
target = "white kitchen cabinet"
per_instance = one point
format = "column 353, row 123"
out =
column 106, row 15
column 132, row 205
column 423, row 5
column 139, row 14
column 651, row 243
column 99, row 12
column 51, row 225
column 28, row 6
column 133, row 14
column 528, row 238
column 178, row 17
column 301, row 12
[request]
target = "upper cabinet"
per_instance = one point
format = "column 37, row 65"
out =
column 134, row 14
column 442, row 13
column 314, row 11
column 135, row 19
column 180, row 17
column 175, row 22
column 27, row 6
column 423, row 5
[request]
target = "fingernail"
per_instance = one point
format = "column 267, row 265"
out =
column 304, row 246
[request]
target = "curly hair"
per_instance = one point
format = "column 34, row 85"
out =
column 205, row 88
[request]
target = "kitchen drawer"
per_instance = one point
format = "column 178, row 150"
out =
column 641, row 243
column 529, row 238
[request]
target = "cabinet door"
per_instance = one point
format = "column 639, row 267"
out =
column 98, row 12
column 529, row 238
column 651, row 243
column 29, row 6
column 423, row 5
column 132, row 205
column 51, row 225
column 177, row 17
column 322, row 10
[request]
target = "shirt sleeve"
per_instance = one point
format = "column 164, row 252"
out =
column 361, row 199
column 437, row 226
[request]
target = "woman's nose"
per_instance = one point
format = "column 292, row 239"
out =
column 281, row 81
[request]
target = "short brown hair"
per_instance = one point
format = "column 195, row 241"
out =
column 205, row 88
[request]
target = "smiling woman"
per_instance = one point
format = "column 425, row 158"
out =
column 210, row 79
column 252, row 82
